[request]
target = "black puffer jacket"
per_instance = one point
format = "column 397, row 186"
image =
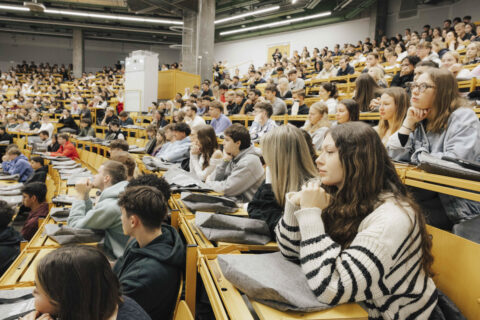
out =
column 9, row 247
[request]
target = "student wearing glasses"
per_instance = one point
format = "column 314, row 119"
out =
column 405, row 75
column 440, row 123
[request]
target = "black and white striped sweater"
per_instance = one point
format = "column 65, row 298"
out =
column 381, row 267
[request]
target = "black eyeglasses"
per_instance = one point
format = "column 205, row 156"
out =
column 420, row 86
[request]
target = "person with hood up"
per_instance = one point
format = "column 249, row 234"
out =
column 9, row 238
column 241, row 172
column 111, row 180
column 150, row 268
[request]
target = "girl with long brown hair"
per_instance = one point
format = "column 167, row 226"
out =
column 204, row 154
column 76, row 283
column 440, row 123
column 358, row 234
column 366, row 89
column 393, row 108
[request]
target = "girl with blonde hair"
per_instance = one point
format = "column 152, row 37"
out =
column 317, row 123
column 393, row 109
column 289, row 166
column 379, row 76
column 284, row 88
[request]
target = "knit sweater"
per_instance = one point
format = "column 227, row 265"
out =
column 381, row 267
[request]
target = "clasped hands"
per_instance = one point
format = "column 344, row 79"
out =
column 312, row 195
column 35, row 315
column 83, row 188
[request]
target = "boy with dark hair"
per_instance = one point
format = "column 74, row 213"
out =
column 259, row 78
column 69, row 125
column 153, row 181
column 252, row 98
column 150, row 269
column 40, row 173
column 206, row 91
column 86, row 129
column 295, row 82
column 279, row 106
column 9, row 238
column 230, row 104
column 105, row 215
column 222, row 89
column 241, row 172
column 299, row 106
column 192, row 119
column 204, row 106
column 236, row 83
column 125, row 120
column 262, row 123
column 114, row 131
column 17, row 164
column 34, row 198
column 4, row 136
column 219, row 122
column 179, row 150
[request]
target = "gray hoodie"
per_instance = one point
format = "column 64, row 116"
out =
column 240, row 177
column 460, row 140
column 106, row 215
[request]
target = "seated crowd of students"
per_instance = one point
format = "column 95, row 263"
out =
column 328, row 191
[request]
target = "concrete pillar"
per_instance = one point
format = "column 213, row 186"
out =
column 198, row 40
column 378, row 20
column 189, row 42
column 373, row 21
column 78, row 59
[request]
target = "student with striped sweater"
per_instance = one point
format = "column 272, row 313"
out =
column 359, row 236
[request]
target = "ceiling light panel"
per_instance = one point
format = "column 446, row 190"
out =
column 276, row 24
column 13, row 8
column 93, row 15
column 247, row 14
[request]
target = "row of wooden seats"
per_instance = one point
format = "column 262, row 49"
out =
column 456, row 273
column 22, row 271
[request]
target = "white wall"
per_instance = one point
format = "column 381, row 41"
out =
column 254, row 50
column 429, row 14
column 17, row 47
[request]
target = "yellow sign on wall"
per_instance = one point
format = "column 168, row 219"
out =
column 283, row 47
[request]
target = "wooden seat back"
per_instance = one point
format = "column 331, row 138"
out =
column 457, row 270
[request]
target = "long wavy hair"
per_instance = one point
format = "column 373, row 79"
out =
column 366, row 89
column 208, row 143
column 369, row 175
column 401, row 101
column 447, row 98
column 287, row 155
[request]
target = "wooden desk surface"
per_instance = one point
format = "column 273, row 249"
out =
column 462, row 188
column 22, row 272
column 237, row 308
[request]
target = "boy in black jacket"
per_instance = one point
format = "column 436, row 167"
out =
column 4, row 136
column 9, row 238
column 149, row 270
column 40, row 173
